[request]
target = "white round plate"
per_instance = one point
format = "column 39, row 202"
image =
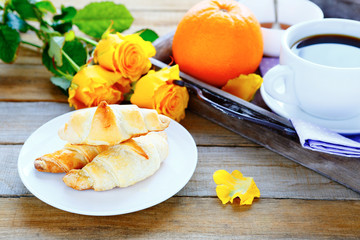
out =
column 347, row 126
column 174, row 173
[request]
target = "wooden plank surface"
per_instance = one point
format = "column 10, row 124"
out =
column 275, row 176
column 19, row 120
column 340, row 169
column 186, row 218
column 218, row 148
column 295, row 203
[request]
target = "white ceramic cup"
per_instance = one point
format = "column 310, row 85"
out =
column 290, row 12
column 323, row 91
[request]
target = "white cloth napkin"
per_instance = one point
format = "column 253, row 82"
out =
column 323, row 140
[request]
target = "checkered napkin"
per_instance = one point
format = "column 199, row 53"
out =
column 318, row 138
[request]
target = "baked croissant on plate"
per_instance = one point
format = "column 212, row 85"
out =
column 70, row 157
column 121, row 165
column 111, row 124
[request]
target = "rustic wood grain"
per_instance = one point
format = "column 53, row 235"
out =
column 28, row 83
column 161, row 22
column 195, row 212
column 187, row 218
column 340, row 169
column 275, row 176
column 19, row 120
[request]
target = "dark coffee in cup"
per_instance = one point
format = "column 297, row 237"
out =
column 319, row 68
column 330, row 50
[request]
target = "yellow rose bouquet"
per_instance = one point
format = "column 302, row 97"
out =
column 92, row 71
column 118, row 61
column 121, row 68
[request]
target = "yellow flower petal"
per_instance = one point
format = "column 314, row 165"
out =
column 244, row 86
column 231, row 186
column 223, row 177
column 223, row 192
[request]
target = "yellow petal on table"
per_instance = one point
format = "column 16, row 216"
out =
column 244, row 86
column 223, row 193
column 235, row 185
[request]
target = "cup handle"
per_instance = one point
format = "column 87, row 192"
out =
column 271, row 78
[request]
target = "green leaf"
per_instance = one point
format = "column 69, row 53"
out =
column 13, row 21
column 62, row 27
column 45, row 6
column 95, row 18
column 25, row 9
column 9, row 43
column 63, row 22
column 55, row 49
column 76, row 51
column 67, row 14
column 61, row 82
column 148, row 35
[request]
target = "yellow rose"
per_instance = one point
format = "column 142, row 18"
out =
column 93, row 84
column 104, row 51
column 156, row 90
column 128, row 55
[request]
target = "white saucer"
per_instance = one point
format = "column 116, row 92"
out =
column 347, row 126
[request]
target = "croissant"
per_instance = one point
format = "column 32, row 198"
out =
column 111, row 124
column 70, row 157
column 121, row 165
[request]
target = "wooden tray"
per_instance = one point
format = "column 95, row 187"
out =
column 340, row 169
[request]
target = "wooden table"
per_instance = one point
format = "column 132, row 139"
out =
column 295, row 203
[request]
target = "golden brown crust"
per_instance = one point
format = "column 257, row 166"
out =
column 121, row 165
column 111, row 124
column 103, row 126
column 136, row 148
column 156, row 122
column 70, row 157
column 46, row 166
column 60, row 161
